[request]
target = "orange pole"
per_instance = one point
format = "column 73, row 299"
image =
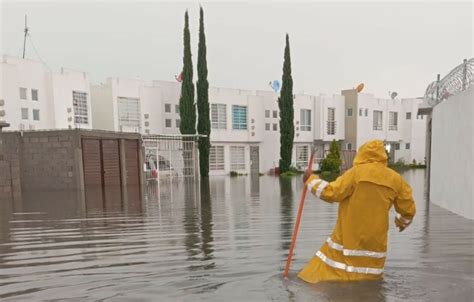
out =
column 298, row 221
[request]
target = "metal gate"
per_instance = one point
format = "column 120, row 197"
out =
column 170, row 156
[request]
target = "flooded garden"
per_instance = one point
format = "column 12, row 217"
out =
column 225, row 240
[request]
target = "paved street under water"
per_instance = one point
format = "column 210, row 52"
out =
column 224, row 242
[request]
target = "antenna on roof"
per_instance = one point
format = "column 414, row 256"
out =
column 26, row 34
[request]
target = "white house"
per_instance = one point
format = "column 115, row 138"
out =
column 245, row 133
column 392, row 120
column 33, row 97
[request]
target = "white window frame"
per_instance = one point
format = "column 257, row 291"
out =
column 267, row 113
column 167, row 108
column 407, row 146
column 331, row 124
column 23, row 93
column 275, row 113
column 267, row 127
column 216, row 158
column 129, row 114
column 275, row 127
column 36, row 115
column 168, row 123
column 349, row 112
column 237, row 158
column 378, row 120
column 79, row 104
column 238, row 122
column 219, row 116
column 33, row 95
column 24, row 114
column 408, row 115
column 393, row 121
column 177, row 123
column 305, row 119
column 302, row 153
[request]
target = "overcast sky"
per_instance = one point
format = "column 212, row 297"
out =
column 388, row 46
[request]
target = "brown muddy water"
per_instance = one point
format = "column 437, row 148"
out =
column 225, row 241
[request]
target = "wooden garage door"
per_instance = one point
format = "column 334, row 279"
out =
column 132, row 170
column 91, row 159
column 111, row 162
column 131, row 159
column 111, row 175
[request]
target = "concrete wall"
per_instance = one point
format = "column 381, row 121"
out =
column 10, row 180
column 452, row 157
column 50, row 160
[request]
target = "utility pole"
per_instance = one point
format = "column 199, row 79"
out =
column 26, row 34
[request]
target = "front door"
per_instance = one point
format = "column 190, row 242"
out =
column 254, row 160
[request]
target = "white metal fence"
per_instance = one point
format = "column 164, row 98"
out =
column 170, row 156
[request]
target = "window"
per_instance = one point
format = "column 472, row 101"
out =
column 216, row 158
column 24, row 113
column 331, row 126
column 168, row 123
column 176, row 108
column 237, row 158
column 408, row 115
column 36, row 114
column 34, row 94
column 267, row 113
column 397, row 146
column 302, row 156
column 129, row 112
column 178, row 123
column 419, row 116
column 366, row 112
column 349, row 112
column 407, row 146
column 349, row 146
column 23, row 93
column 79, row 103
column 219, row 116
column 378, row 120
column 275, row 114
column 275, row 127
column 392, row 120
column 305, row 116
column 239, row 117
column 267, row 126
column 167, row 107
column 360, row 111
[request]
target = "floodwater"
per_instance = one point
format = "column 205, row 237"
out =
column 226, row 240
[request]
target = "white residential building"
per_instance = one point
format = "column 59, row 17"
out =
column 33, row 97
column 245, row 133
column 392, row 120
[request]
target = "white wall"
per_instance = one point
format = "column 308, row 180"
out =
column 63, row 85
column 28, row 74
column 102, row 107
column 54, row 94
column 452, row 156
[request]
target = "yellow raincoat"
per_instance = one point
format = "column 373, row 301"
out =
column 357, row 247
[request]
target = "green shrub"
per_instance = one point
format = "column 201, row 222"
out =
column 329, row 175
column 332, row 162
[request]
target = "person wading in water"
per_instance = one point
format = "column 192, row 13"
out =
column 357, row 248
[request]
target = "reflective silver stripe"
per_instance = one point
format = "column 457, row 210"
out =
column 347, row 252
column 313, row 183
column 334, row 245
column 347, row 268
column 321, row 187
column 404, row 220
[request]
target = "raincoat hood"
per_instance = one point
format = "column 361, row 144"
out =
column 371, row 152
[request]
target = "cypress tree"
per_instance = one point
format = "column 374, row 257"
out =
column 187, row 109
column 285, row 104
column 202, row 87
